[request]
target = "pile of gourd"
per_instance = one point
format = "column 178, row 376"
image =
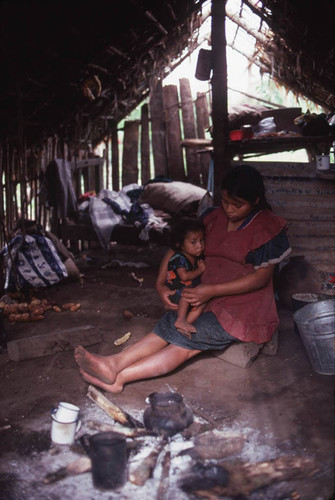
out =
column 34, row 310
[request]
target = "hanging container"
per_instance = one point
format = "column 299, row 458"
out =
column 204, row 65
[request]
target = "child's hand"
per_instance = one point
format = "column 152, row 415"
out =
column 201, row 265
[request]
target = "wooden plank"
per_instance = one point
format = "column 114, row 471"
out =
column 202, row 119
column 75, row 232
column 173, row 133
column 196, row 143
column 276, row 144
column 87, row 172
column 130, row 152
column 145, row 145
column 53, row 342
column 97, row 177
column 156, row 109
column 91, row 179
column 202, row 114
column 187, row 110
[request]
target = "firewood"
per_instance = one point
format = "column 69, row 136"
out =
column 126, row 431
column 144, row 470
column 243, row 479
column 79, row 466
column 112, row 410
column 163, row 486
column 210, row 446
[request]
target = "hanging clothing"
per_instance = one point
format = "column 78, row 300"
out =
column 57, row 189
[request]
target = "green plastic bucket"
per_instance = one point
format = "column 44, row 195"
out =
column 316, row 325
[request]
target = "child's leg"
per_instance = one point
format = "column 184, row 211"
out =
column 181, row 324
column 194, row 313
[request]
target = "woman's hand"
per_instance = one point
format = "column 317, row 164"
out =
column 198, row 295
column 163, row 291
column 164, row 294
column 246, row 284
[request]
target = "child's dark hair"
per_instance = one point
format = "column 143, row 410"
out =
column 179, row 229
column 244, row 181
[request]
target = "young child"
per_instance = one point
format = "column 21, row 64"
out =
column 184, row 269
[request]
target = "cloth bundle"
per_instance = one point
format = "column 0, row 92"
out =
column 31, row 261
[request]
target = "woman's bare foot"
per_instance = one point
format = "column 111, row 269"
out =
column 100, row 367
column 115, row 388
column 184, row 327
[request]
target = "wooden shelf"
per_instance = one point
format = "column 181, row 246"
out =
column 277, row 144
column 265, row 144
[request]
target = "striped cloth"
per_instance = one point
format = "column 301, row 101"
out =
column 33, row 261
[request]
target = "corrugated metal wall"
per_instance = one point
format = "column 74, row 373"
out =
column 307, row 201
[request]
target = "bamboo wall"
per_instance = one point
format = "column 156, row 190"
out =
column 150, row 147
column 306, row 200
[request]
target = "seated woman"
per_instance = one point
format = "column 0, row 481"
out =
column 244, row 241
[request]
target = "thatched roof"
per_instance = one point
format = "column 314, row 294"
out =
column 302, row 52
column 61, row 60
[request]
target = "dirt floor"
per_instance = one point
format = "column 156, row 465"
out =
column 278, row 412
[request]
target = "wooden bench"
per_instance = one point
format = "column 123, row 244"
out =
column 87, row 176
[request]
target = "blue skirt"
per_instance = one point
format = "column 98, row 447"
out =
column 209, row 335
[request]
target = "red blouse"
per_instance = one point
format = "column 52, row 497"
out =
column 251, row 316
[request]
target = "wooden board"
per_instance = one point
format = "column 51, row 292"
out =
column 145, row 145
column 130, row 152
column 52, row 343
column 202, row 116
column 173, row 133
column 158, row 130
column 187, row 110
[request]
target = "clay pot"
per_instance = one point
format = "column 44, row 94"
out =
column 167, row 414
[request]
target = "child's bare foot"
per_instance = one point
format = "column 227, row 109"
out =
column 100, row 367
column 184, row 327
column 186, row 334
column 115, row 388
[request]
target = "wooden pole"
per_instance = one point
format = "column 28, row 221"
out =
column 145, row 145
column 115, row 159
column 219, row 96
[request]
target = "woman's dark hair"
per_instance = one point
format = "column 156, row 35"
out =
column 179, row 229
column 244, row 181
